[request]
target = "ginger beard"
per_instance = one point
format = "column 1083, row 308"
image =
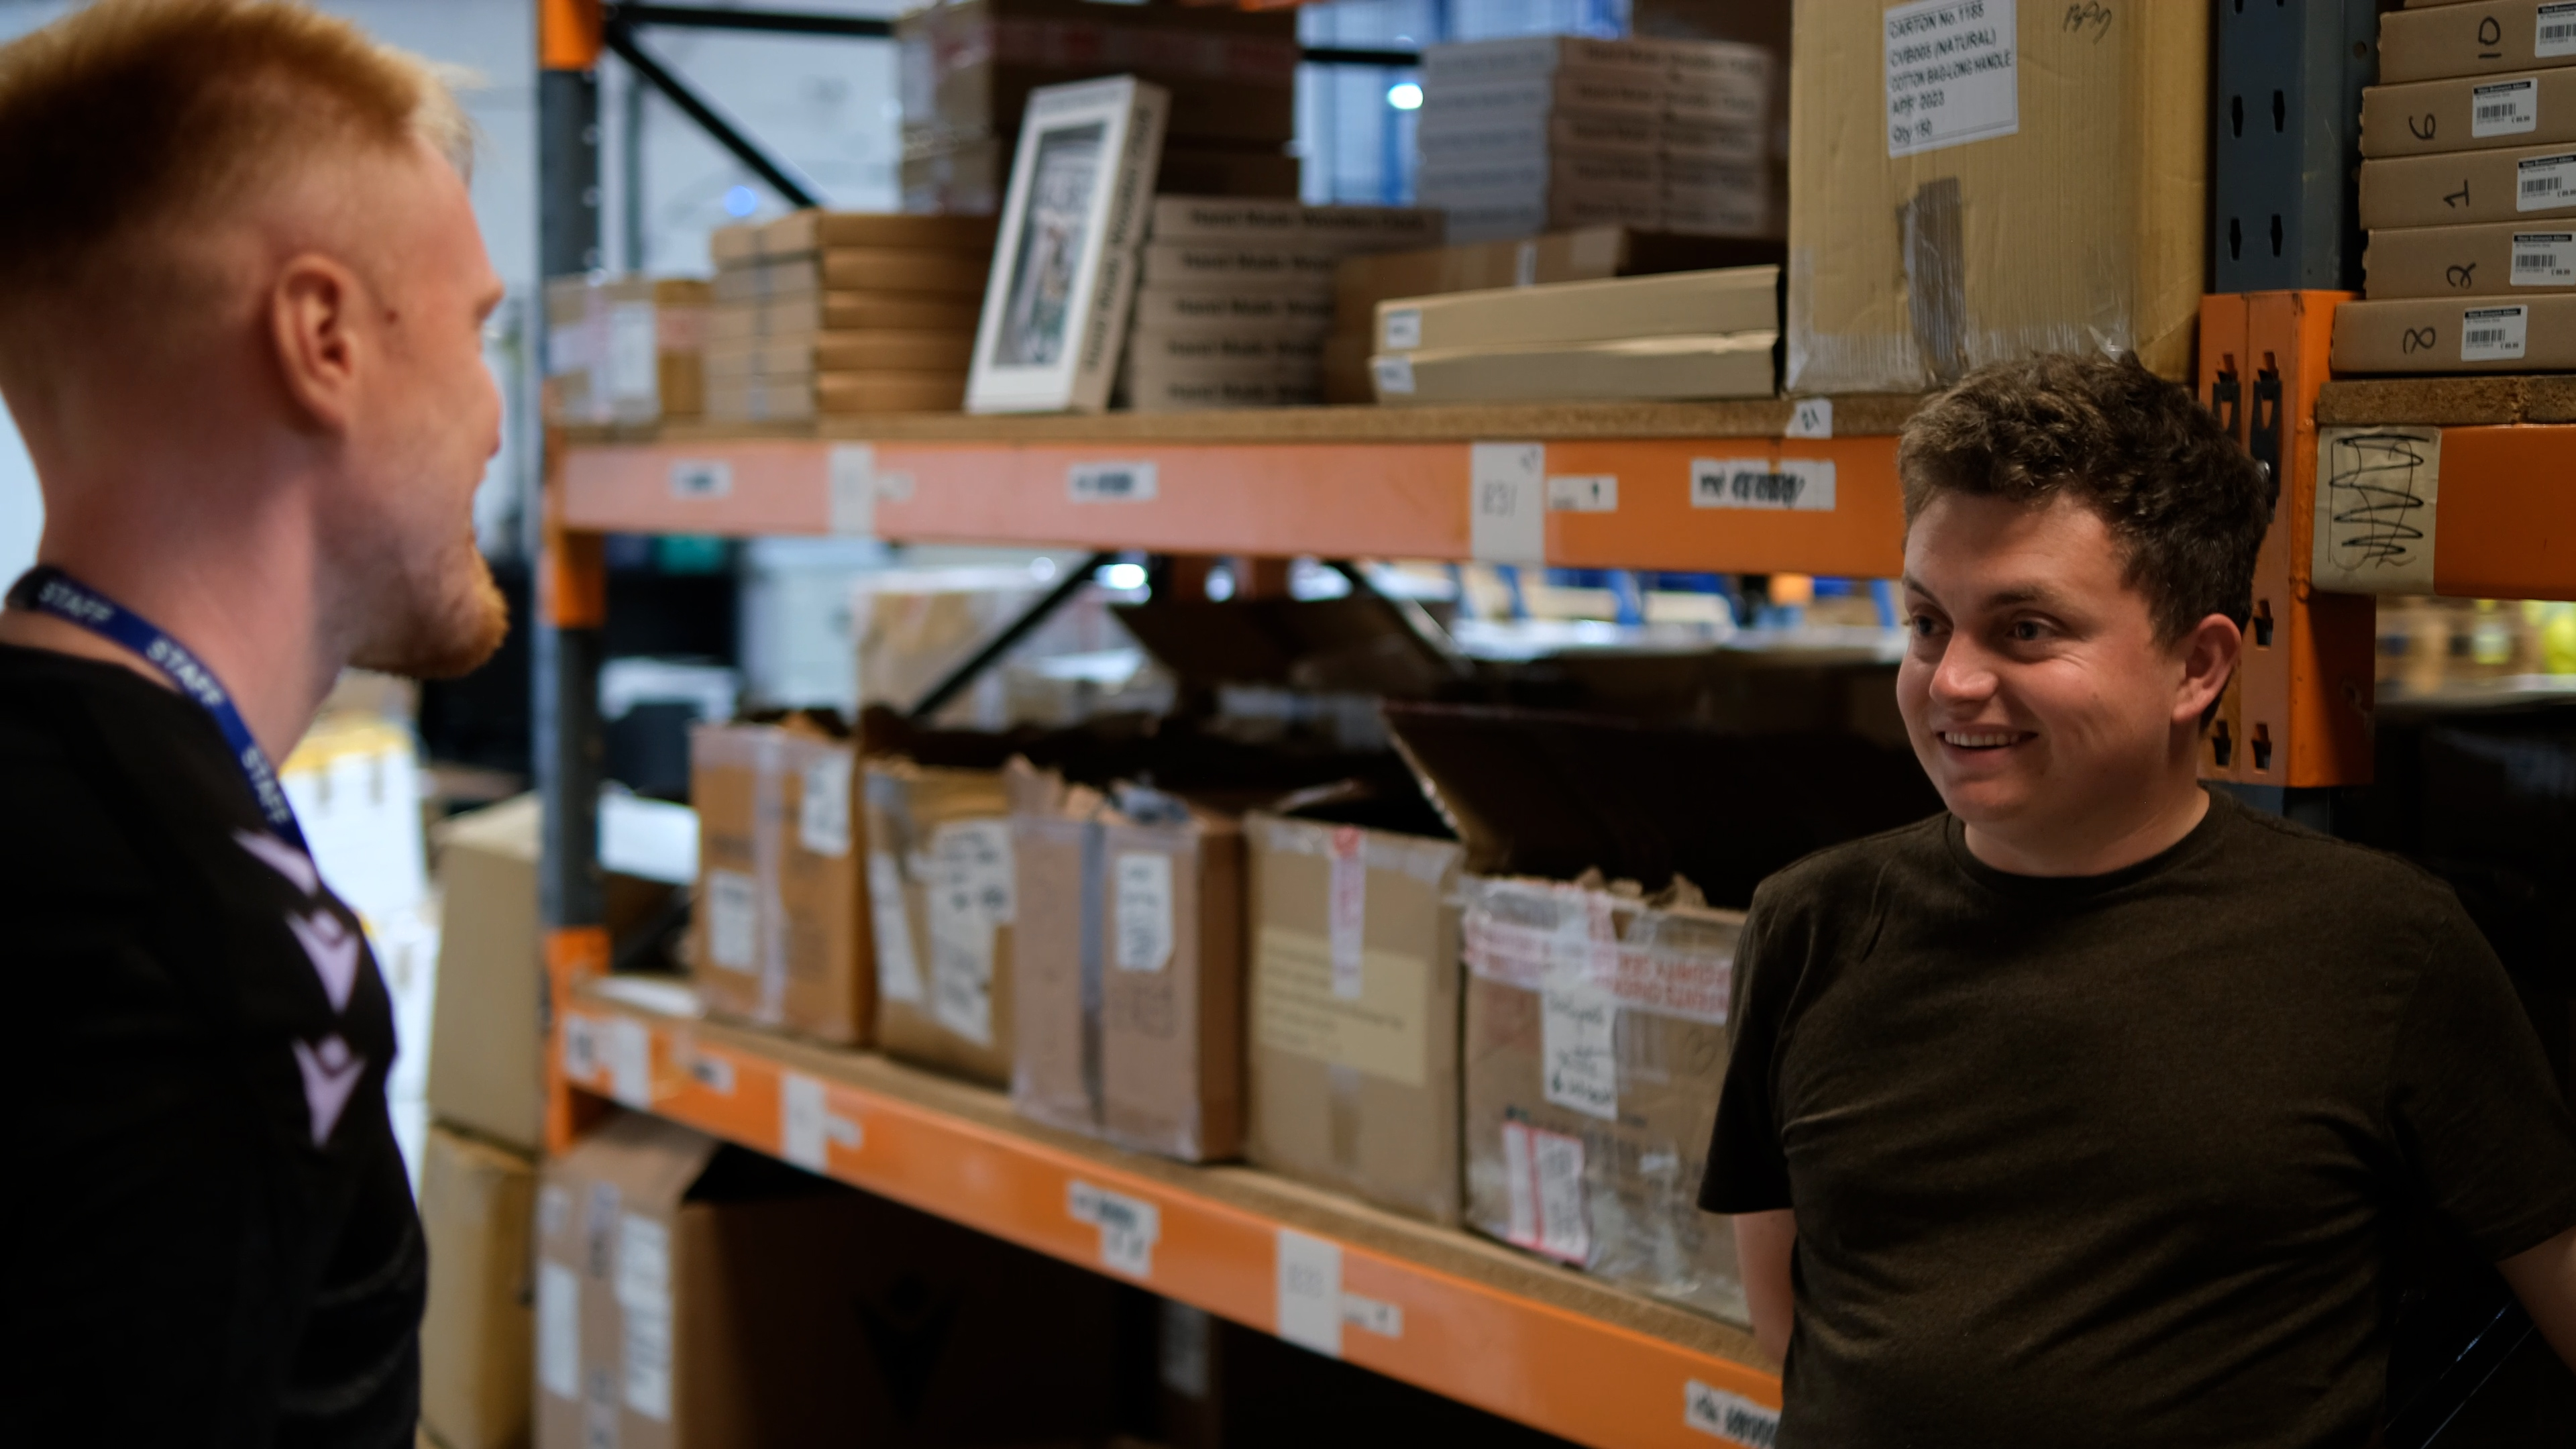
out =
column 420, row 600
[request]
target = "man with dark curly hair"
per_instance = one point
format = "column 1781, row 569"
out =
column 2087, row 1112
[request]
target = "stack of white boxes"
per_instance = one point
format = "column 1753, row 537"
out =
column 1547, row 132
column 1235, row 297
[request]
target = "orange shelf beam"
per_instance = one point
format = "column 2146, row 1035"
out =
column 1372, row 498
column 2506, row 513
column 1570, row 1374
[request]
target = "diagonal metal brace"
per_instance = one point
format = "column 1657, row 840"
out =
column 620, row 38
column 965, row 674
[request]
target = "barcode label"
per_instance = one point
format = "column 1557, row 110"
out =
column 2544, row 258
column 2493, row 334
column 2505, row 108
column 2555, row 34
column 2542, row 183
column 1111, row 482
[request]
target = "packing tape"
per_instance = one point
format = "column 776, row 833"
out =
column 1095, row 905
column 768, row 851
column 1936, row 286
column 1533, row 934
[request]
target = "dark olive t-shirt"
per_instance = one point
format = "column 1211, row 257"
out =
column 2120, row 1160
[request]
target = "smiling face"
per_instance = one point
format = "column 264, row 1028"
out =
column 2035, row 689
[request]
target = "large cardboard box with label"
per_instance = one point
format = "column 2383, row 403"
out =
column 1973, row 180
column 780, row 933
column 692, row 1296
column 477, row 1210
column 1354, row 1003
column 941, row 902
column 1128, row 966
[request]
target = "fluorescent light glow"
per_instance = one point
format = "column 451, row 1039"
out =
column 1404, row 96
column 741, row 201
column 1123, row 576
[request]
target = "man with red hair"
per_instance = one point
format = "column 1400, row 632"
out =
column 241, row 302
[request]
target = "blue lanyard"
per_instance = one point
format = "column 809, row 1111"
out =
column 49, row 590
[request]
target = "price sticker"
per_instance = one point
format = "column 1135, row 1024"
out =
column 1129, row 1227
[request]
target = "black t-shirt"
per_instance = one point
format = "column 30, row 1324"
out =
column 2120, row 1160
column 208, row 1237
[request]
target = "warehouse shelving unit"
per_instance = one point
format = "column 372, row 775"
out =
column 1595, row 485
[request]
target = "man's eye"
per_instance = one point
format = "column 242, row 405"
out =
column 1923, row 625
column 2027, row 631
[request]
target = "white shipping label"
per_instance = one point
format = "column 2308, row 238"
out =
column 554, row 1210
column 1543, row 1175
column 1129, row 1227
column 1144, row 910
column 1732, row 1417
column 1310, row 1292
column 980, row 851
column 1798, row 484
column 648, row 1362
column 823, row 813
column 1952, row 76
column 701, row 479
column 559, row 1329
column 1346, row 911
column 1111, row 482
column 2493, row 334
column 1403, row 329
column 898, row 974
column 634, row 345
column 800, row 1122
column 1525, row 265
column 629, row 1049
column 2544, row 183
column 852, row 473
column 733, row 919
column 643, row 1263
column 581, row 1049
column 1507, row 502
column 1392, row 374
column 1578, row 1049
column 1812, row 417
column 1584, row 493
column 2554, row 30
column 2544, row 258
column 961, row 956
column 1386, row 1320
column 2505, row 108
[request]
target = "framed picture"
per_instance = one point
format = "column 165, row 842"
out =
column 1064, row 268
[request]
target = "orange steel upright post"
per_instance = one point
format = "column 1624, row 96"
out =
column 571, row 592
column 2298, row 712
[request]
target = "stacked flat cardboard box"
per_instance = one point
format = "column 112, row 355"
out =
column 1586, row 254
column 1685, row 335
column 967, row 69
column 2468, row 191
column 1235, row 297
column 624, row 349
column 826, row 312
column 1544, row 132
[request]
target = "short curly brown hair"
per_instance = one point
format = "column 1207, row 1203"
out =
column 2187, row 505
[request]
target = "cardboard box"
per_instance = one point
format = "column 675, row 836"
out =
column 962, row 176
column 779, row 933
column 1232, row 308
column 477, row 1359
column 967, row 69
column 1128, row 966
column 2050, row 199
column 760, row 400
column 799, row 354
column 2459, row 187
column 844, row 394
column 691, row 1296
column 1198, row 391
column 1596, row 1043
column 1604, row 90
column 959, row 273
column 1204, row 263
column 1354, row 1006
column 1740, row 364
column 1680, row 304
column 1586, row 254
column 1488, row 216
column 625, row 350
column 1298, row 349
column 941, row 901
column 486, row 1054
column 2507, row 259
column 2472, row 113
column 1207, row 171
column 2482, row 39
column 2440, row 334
column 1236, row 222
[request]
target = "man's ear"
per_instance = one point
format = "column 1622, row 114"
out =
column 2208, row 655
column 315, row 326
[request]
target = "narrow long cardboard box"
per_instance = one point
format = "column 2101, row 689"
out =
column 477, row 1337
column 1728, row 366
column 2456, row 187
column 1731, row 300
column 2441, row 334
column 2470, row 113
column 2493, row 38
column 2501, row 259
column 779, row 933
column 942, row 899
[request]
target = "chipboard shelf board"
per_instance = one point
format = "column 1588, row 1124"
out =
column 1434, row 1307
column 1702, row 486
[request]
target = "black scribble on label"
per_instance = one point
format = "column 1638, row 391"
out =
column 2374, row 484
